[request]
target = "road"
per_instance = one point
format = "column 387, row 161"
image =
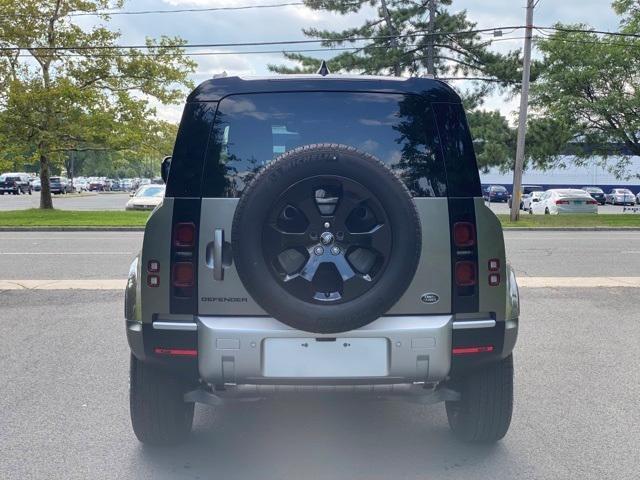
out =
column 64, row 383
column 86, row 255
column 117, row 201
column 70, row 201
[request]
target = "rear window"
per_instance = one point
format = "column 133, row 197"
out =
column 400, row 130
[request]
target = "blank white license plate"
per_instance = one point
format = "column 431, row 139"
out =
column 310, row 358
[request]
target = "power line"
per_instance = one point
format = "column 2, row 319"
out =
column 584, row 30
column 251, row 52
column 255, row 44
column 170, row 11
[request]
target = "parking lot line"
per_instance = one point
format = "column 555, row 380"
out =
column 523, row 282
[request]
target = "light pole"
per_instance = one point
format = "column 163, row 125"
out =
column 522, row 121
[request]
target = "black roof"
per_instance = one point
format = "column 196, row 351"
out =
column 217, row 88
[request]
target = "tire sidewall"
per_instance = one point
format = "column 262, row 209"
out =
column 256, row 203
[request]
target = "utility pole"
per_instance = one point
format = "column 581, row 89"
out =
column 431, row 39
column 522, row 121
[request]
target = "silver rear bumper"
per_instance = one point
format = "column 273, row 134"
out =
column 231, row 350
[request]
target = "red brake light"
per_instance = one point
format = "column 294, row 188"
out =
column 183, row 274
column 464, row 234
column 471, row 350
column 562, row 202
column 176, row 352
column 591, row 202
column 465, row 274
column 184, row 235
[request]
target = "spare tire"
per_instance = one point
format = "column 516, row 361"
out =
column 326, row 238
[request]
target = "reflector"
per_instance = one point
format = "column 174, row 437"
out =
column 471, row 350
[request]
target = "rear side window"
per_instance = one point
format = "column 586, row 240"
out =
column 251, row 130
column 463, row 178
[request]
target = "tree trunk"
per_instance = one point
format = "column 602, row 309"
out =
column 45, row 187
column 397, row 69
column 431, row 39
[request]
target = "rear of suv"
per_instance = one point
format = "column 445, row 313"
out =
column 322, row 232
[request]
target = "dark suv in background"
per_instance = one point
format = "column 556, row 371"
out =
column 496, row 193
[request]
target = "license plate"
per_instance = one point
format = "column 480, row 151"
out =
column 578, row 202
column 337, row 358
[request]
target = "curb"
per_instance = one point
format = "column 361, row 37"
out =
column 71, row 229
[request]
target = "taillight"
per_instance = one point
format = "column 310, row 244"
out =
column 591, row 202
column 183, row 274
column 176, row 352
column 184, row 235
column 494, row 265
column 472, row 350
column 465, row 274
column 464, row 234
column 562, row 202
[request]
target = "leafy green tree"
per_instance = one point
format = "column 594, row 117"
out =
column 65, row 88
column 401, row 49
column 588, row 94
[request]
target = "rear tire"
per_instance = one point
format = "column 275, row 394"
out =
column 483, row 414
column 159, row 414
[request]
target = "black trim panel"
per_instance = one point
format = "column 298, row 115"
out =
column 463, row 299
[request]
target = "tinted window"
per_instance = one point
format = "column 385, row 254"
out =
column 252, row 130
column 463, row 178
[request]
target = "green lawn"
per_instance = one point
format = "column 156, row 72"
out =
column 72, row 218
column 526, row 220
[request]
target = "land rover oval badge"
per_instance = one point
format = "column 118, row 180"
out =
column 430, row 298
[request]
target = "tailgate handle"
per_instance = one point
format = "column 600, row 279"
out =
column 218, row 254
column 218, row 245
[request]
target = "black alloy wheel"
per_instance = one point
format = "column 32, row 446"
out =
column 327, row 239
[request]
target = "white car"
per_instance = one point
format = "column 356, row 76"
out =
column 527, row 200
column 564, row 200
column 621, row 196
column 146, row 197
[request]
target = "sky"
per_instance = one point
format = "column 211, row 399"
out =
column 287, row 23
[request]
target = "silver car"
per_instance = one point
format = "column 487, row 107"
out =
column 322, row 233
column 621, row 196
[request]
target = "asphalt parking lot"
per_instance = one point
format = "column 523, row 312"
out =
column 65, row 378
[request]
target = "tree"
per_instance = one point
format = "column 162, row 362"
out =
column 65, row 88
column 588, row 94
column 587, row 101
column 408, row 33
column 402, row 49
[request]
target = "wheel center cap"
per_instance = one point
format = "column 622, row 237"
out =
column 326, row 238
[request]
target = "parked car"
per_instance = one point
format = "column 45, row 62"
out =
column 597, row 194
column 526, row 191
column 299, row 259
column 15, row 183
column 530, row 198
column 564, row 200
column 496, row 193
column 147, row 197
column 60, row 185
column 638, row 198
column 621, row 196
column 96, row 186
column 36, row 185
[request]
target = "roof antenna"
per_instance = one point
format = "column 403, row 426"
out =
column 323, row 70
